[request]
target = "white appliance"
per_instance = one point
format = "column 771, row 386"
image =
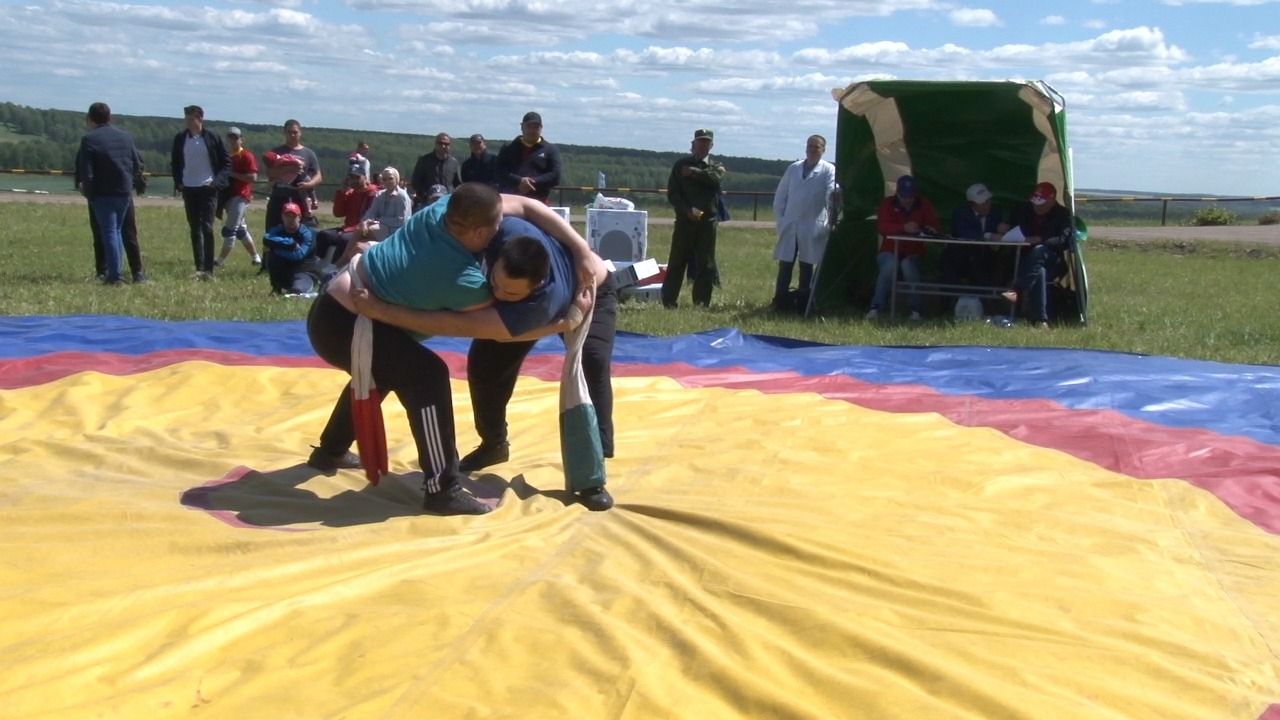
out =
column 621, row 235
column 562, row 212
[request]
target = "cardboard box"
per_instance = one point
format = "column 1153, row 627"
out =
column 642, row 293
column 628, row 273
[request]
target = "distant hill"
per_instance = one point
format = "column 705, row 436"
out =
column 42, row 139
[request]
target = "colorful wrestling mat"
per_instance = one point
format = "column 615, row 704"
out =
column 801, row 532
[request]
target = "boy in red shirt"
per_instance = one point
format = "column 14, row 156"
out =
column 244, row 172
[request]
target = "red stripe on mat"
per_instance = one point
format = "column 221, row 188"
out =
column 1243, row 473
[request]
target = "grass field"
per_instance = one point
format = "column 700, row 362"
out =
column 1210, row 301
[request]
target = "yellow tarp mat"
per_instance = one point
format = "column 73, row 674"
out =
column 769, row 557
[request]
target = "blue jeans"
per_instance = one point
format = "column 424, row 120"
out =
column 1037, row 265
column 884, row 281
column 109, row 211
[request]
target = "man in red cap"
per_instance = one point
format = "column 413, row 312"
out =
column 1047, row 227
column 290, row 248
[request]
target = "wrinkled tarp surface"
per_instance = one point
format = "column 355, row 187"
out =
column 801, row 531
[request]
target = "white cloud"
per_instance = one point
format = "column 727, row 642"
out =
column 424, row 73
column 1179, row 3
column 1137, row 101
column 1095, row 24
column 470, row 33
column 548, row 21
column 243, row 52
column 1053, row 20
column 1265, row 42
column 605, row 83
column 795, row 84
column 543, row 60
column 250, row 67
column 681, row 58
column 1239, row 77
column 974, row 17
column 1135, row 47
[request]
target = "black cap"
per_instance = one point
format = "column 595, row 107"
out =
column 477, row 138
column 531, row 117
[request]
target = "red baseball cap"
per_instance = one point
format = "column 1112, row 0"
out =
column 1044, row 192
column 291, row 208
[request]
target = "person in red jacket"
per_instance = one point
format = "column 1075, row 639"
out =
column 350, row 203
column 906, row 212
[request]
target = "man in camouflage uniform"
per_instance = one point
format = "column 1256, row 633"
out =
column 693, row 189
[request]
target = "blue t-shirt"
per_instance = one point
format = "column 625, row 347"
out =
column 551, row 299
column 422, row 266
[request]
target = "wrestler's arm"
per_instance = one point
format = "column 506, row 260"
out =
column 480, row 321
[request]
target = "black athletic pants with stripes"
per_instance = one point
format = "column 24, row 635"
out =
column 401, row 365
column 493, row 367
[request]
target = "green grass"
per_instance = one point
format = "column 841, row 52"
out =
column 1200, row 300
column 65, row 185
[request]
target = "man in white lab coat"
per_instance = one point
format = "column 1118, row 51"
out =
column 801, row 207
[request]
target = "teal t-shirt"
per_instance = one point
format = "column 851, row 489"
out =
column 422, row 266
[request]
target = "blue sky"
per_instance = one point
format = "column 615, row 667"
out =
column 1162, row 95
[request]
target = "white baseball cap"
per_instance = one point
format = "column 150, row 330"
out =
column 977, row 193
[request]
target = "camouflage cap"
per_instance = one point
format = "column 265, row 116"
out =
column 703, row 133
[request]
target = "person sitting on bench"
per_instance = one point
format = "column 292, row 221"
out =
column 1047, row 228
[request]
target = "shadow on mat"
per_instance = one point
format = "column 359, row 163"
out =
column 275, row 499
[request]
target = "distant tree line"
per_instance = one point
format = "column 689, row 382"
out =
column 48, row 140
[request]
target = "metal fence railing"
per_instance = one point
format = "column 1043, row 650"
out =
column 569, row 195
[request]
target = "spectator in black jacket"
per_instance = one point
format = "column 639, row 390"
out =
column 1047, row 228
column 529, row 165
column 129, row 232
column 482, row 166
column 201, row 165
column 108, row 168
column 437, row 167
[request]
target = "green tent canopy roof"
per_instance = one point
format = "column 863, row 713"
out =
column 1008, row 135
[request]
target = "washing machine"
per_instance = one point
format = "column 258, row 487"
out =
column 618, row 234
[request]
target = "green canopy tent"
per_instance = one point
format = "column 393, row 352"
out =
column 949, row 135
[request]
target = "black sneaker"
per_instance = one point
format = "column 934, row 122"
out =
column 597, row 499
column 328, row 463
column 484, row 456
column 139, row 278
column 453, row 500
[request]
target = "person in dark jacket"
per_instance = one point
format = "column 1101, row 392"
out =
column 1047, row 228
column 129, row 234
column 108, row 168
column 201, row 165
column 291, row 252
column 692, row 190
column 529, row 165
column 482, row 165
column 437, row 167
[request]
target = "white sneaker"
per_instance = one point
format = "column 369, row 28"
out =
column 873, row 313
column 915, row 316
